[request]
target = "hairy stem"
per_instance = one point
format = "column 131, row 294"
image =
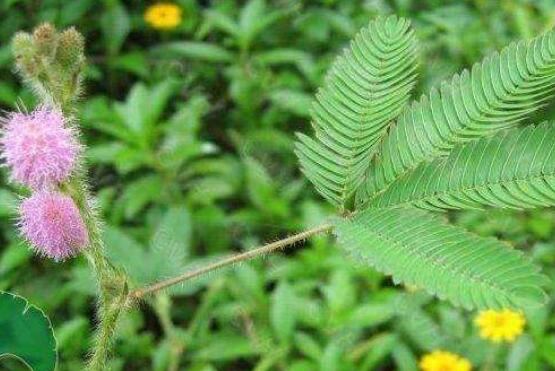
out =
column 112, row 298
column 234, row 259
column 112, row 284
column 108, row 314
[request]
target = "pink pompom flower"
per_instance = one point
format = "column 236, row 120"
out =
column 39, row 148
column 51, row 222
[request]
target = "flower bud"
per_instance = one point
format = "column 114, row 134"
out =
column 44, row 37
column 22, row 43
column 24, row 51
column 71, row 48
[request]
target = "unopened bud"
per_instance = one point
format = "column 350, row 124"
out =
column 71, row 47
column 45, row 39
column 25, row 53
column 22, row 42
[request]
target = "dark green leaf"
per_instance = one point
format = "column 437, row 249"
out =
column 26, row 333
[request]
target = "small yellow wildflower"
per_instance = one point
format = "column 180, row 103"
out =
column 163, row 16
column 440, row 360
column 497, row 326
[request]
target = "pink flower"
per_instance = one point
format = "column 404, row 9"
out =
column 51, row 222
column 38, row 148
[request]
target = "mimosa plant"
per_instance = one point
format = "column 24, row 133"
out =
column 385, row 165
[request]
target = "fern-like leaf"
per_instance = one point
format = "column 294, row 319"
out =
column 515, row 169
column 366, row 89
column 498, row 93
column 420, row 249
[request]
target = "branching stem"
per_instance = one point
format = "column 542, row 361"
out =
column 234, row 259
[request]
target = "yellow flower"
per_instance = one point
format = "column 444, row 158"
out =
column 440, row 360
column 163, row 16
column 497, row 326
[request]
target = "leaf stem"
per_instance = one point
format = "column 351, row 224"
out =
column 234, row 259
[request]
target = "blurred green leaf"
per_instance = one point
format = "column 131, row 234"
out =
column 255, row 17
column 282, row 315
column 293, row 101
column 404, row 359
column 158, row 100
column 115, row 25
column 262, row 189
column 13, row 256
column 173, row 234
column 140, row 193
column 8, row 94
column 519, row 353
column 169, row 247
column 8, row 203
column 340, row 292
column 423, row 330
column 307, row 345
column 166, row 255
column 223, row 346
column 371, row 314
column 72, row 11
column 547, row 348
column 72, row 335
column 375, row 349
column 124, row 251
column 139, row 111
column 200, row 51
column 222, row 21
column 134, row 62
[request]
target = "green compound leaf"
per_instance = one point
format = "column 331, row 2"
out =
column 365, row 89
column 26, row 333
column 420, row 249
column 495, row 94
column 515, row 169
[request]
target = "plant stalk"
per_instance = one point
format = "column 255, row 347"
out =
column 109, row 314
column 112, row 284
column 234, row 259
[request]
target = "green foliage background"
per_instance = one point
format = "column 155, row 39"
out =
column 190, row 143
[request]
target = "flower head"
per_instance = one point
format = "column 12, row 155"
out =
column 51, row 222
column 163, row 16
column 440, row 360
column 497, row 326
column 38, row 148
